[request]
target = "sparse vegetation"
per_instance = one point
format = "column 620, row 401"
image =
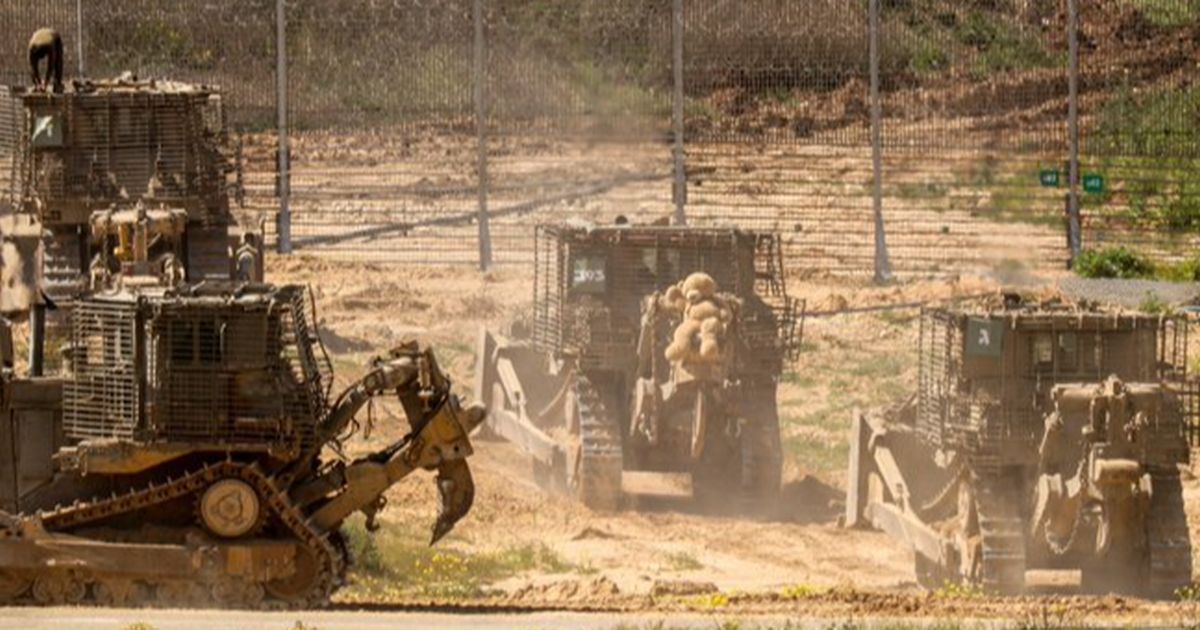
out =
column 939, row 37
column 1147, row 142
column 921, row 190
column 711, row 601
column 1149, row 123
column 1049, row 617
column 1190, row 594
column 137, row 625
column 394, row 563
column 1153, row 303
column 1189, row 598
column 683, row 561
column 958, row 590
column 802, row 591
column 830, row 388
column 1000, row 45
column 1169, row 13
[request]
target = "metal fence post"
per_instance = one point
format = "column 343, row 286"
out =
column 1074, row 224
column 679, row 189
column 79, row 35
column 284, row 225
column 883, row 265
column 480, row 77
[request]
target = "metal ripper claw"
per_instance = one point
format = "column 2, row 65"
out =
column 457, row 490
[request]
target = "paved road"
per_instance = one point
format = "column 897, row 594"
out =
column 115, row 619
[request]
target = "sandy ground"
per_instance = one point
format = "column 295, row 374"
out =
column 363, row 307
column 104, row 619
column 617, row 559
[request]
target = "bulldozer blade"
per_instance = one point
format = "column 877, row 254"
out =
column 457, row 490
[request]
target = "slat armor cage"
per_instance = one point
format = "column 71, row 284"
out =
column 589, row 285
column 989, row 404
column 212, row 369
column 114, row 142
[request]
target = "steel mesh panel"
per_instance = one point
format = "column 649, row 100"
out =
column 1173, row 359
column 973, row 104
column 603, row 329
column 550, row 284
column 214, row 369
column 234, row 371
column 1138, row 129
column 302, row 342
column 103, row 398
column 992, row 417
column 936, row 347
column 11, row 129
column 207, row 367
column 132, row 143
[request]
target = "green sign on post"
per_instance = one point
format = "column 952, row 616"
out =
column 1093, row 183
column 1049, row 178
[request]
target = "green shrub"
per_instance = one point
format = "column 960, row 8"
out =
column 1187, row 270
column 1113, row 262
column 1002, row 45
column 1154, row 304
column 1152, row 123
column 1169, row 13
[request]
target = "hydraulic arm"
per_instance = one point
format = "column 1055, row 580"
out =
column 437, row 440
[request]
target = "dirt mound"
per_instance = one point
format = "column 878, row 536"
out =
column 681, row 588
column 810, row 500
column 594, row 590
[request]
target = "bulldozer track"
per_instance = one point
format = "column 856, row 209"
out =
column 331, row 561
column 83, row 512
column 598, row 477
column 1167, row 533
column 1001, row 531
column 762, row 455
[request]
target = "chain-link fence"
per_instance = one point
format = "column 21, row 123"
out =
column 905, row 136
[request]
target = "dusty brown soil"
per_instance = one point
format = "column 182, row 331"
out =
column 802, row 562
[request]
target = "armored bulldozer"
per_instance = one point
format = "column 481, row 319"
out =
column 649, row 365
column 189, row 454
column 1044, row 436
column 95, row 164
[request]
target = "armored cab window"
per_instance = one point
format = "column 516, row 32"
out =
column 1068, row 351
column 195, row 342
column 1042, row 347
